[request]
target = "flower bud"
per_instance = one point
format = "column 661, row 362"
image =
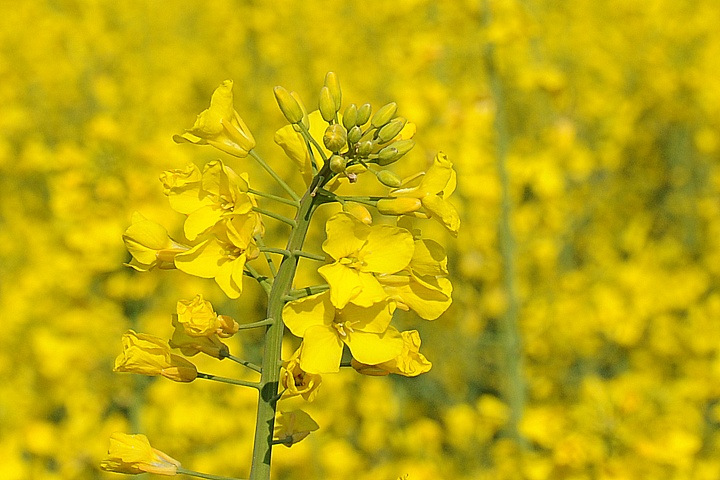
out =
column 333, row 84
column 335, row 137
column 326, row 105
column 289, row 106
column 363, row 114
column 387, row 155
column 391, row 129
column 398, row 206
column 337, row 164
column 350, row 116
column 365, row 148
column 305, row 120
column 389, row 179
column 354, row 134
column 384, row 115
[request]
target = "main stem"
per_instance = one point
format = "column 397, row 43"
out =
column 270, row 377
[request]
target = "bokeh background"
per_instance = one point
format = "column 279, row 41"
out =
column 584, row 338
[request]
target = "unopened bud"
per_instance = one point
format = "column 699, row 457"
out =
column 384, row 115
column 358, row 211
column 387, row 155
column 326, row 104
column 288, row 105
column 365, row 148
column 389, row 179
column 297, row 98
column 337, row 164
column 354, row 134
column 364, row 114
column 403, row 146
column 350, row 116
column 335, row 137
column 333, row 84
column 398, row 206
column 390, row 130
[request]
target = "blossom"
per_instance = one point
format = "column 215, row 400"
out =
column 409, row 363
column 296, row 380
column 433, row 189
column 324, row 329
column 220, row 125
column 422, row 286
column 293, row 426
column 133, row 454
column 360, row 251
column 197, row 316
column 191, row 345
column 150, row 245
column 149, row 355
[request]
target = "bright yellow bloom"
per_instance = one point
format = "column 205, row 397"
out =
column 191, row 345
column 434, row 188
column 220, row 125
column 361, row 251
column 150, row 355
column 133, row 454
column 221, row 258
column 409, row 363
column 422, row 286
column 150, row 245
column 197, row 317
column 291, row 427
column 182, row 188
column 297, row 381
column 324, row 329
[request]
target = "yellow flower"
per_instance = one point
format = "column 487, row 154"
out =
column 133, row 454
column 150, row 355
column 150, row 245
column 191, row 345
column 409, row 363
column 182, row 188
column 422, row 286
column 197, row 317
column 434, row 188
column 297, row 381
column 220, row 257
column 360, row 251
column 220, row 125
column 291, row 427
column 325, row 329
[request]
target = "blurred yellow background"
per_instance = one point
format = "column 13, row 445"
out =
column 584, row 338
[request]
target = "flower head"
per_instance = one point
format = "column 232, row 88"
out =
column 324, row 329
column 150, row 245
column 133, row 454
column 434, row 188
column 409, row 363
column 292, row 427
column 297, row 381
column 361, row 251
column 220, row 125
column 150, row 355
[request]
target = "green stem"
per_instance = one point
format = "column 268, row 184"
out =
column 275, row 176
column 231, row 381
column 274, row 215
column 307, row 291
column 280, row 251
column 271, row 362
column 514, row 384
column 270, row 196
column 264, row 281
column 271, row 265
column 309, row 138
column 311, row 256
column 261, row 323
column 245, row 363
column 192, row 473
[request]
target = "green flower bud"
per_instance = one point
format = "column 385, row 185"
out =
column 389, row 179
column 365, row 148
column 384, row 115
column 354, row 134
column 333, row 84
column 288, row 105
column 404, row 146
column 363, row 114
column 335, row 137
column 390, row 130
column 326, row 105
column 387, row 155
column 350, row 116
column 305, row 120
column 337, row 164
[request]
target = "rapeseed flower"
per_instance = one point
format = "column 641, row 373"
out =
column 410, row 363
column 149, row 355
column 133, row 454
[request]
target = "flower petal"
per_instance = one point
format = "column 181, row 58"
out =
column 299, row 315
column 373, row 348
column 345, row 283
column 388, row 249
column 322, row 350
